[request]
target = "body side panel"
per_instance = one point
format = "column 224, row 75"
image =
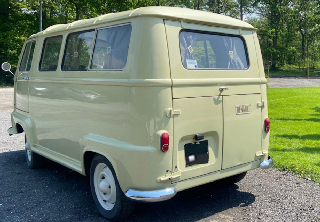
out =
column 119, row 114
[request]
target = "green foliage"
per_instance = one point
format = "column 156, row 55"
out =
column 288, row 30
column 294, row 135
column 200, row 55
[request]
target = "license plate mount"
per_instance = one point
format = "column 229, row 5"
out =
column 196, row 153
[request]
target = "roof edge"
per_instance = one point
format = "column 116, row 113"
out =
column 170, row 13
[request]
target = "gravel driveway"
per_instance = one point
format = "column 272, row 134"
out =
column 55, row 193
column 292, row 82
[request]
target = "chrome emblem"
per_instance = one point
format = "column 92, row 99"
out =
column 243, row 109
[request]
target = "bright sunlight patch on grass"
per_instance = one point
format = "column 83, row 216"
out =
column 295, row 130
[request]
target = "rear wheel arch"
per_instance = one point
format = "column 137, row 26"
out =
column 87, row 160
column 88, row 157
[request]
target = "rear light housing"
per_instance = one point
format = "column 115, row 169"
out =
column 164, row 142
column 267, row 125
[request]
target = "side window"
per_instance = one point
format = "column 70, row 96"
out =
column 78, row 50
column 212, row 51
column 111, row 48
column 27, row 57
column 50, row 53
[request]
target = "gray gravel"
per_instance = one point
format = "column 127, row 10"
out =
column 293, row 82
column 54, row 193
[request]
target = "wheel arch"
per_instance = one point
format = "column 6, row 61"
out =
column 88, row 156
column 25, row 124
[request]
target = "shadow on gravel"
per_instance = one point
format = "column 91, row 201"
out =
column 56, row 193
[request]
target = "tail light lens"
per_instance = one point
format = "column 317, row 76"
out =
column 267, row 125
column 164, row 142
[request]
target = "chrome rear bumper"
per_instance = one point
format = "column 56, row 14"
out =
column 151, row 196
column 267, row 163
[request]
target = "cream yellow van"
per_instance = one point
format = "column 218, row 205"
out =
column 147, row 102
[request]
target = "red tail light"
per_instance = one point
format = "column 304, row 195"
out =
column 267, row 125
column 164, row 142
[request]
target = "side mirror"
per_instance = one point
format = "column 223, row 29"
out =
column 6, row 67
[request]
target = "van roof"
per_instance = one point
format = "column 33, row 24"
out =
column 172, row 13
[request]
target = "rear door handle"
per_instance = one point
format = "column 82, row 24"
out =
column 221, row 89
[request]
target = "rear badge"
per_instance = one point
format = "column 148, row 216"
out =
column 243, row 109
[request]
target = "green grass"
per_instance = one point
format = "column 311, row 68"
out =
column 295, row 130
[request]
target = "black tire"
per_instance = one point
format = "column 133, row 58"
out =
column 122, row 207
column 34, row 160
column 233, row 179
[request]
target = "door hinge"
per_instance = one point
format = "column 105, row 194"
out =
column 260, row 104
column 170, row 112
column 170, row 177
column 261, row 154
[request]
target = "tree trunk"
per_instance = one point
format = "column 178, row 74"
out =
column 303, row 50
column 198, row 4
column 307, row 57
column 77, row 12
column 66, row 17
column 210, row 4
column 241, row 10
column 44, row 13
column 274, row 54
column 5, row 11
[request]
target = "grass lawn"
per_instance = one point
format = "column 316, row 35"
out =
column 295, row 130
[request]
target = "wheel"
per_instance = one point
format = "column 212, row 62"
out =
column 233, row 179
column 106, row 192
column 34, row 160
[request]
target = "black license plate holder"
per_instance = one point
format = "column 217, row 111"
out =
column 200, row 152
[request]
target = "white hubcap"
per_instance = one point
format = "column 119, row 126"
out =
column 105, row 186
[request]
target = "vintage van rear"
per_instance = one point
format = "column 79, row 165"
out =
column 164, row 99
column 219, row 96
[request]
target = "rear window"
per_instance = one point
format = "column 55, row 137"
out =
column 212, row 51
column 78, row 50
column 27, row 57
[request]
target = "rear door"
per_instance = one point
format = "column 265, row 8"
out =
column 22, row 77
column 242, row 129
column 216, row 91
